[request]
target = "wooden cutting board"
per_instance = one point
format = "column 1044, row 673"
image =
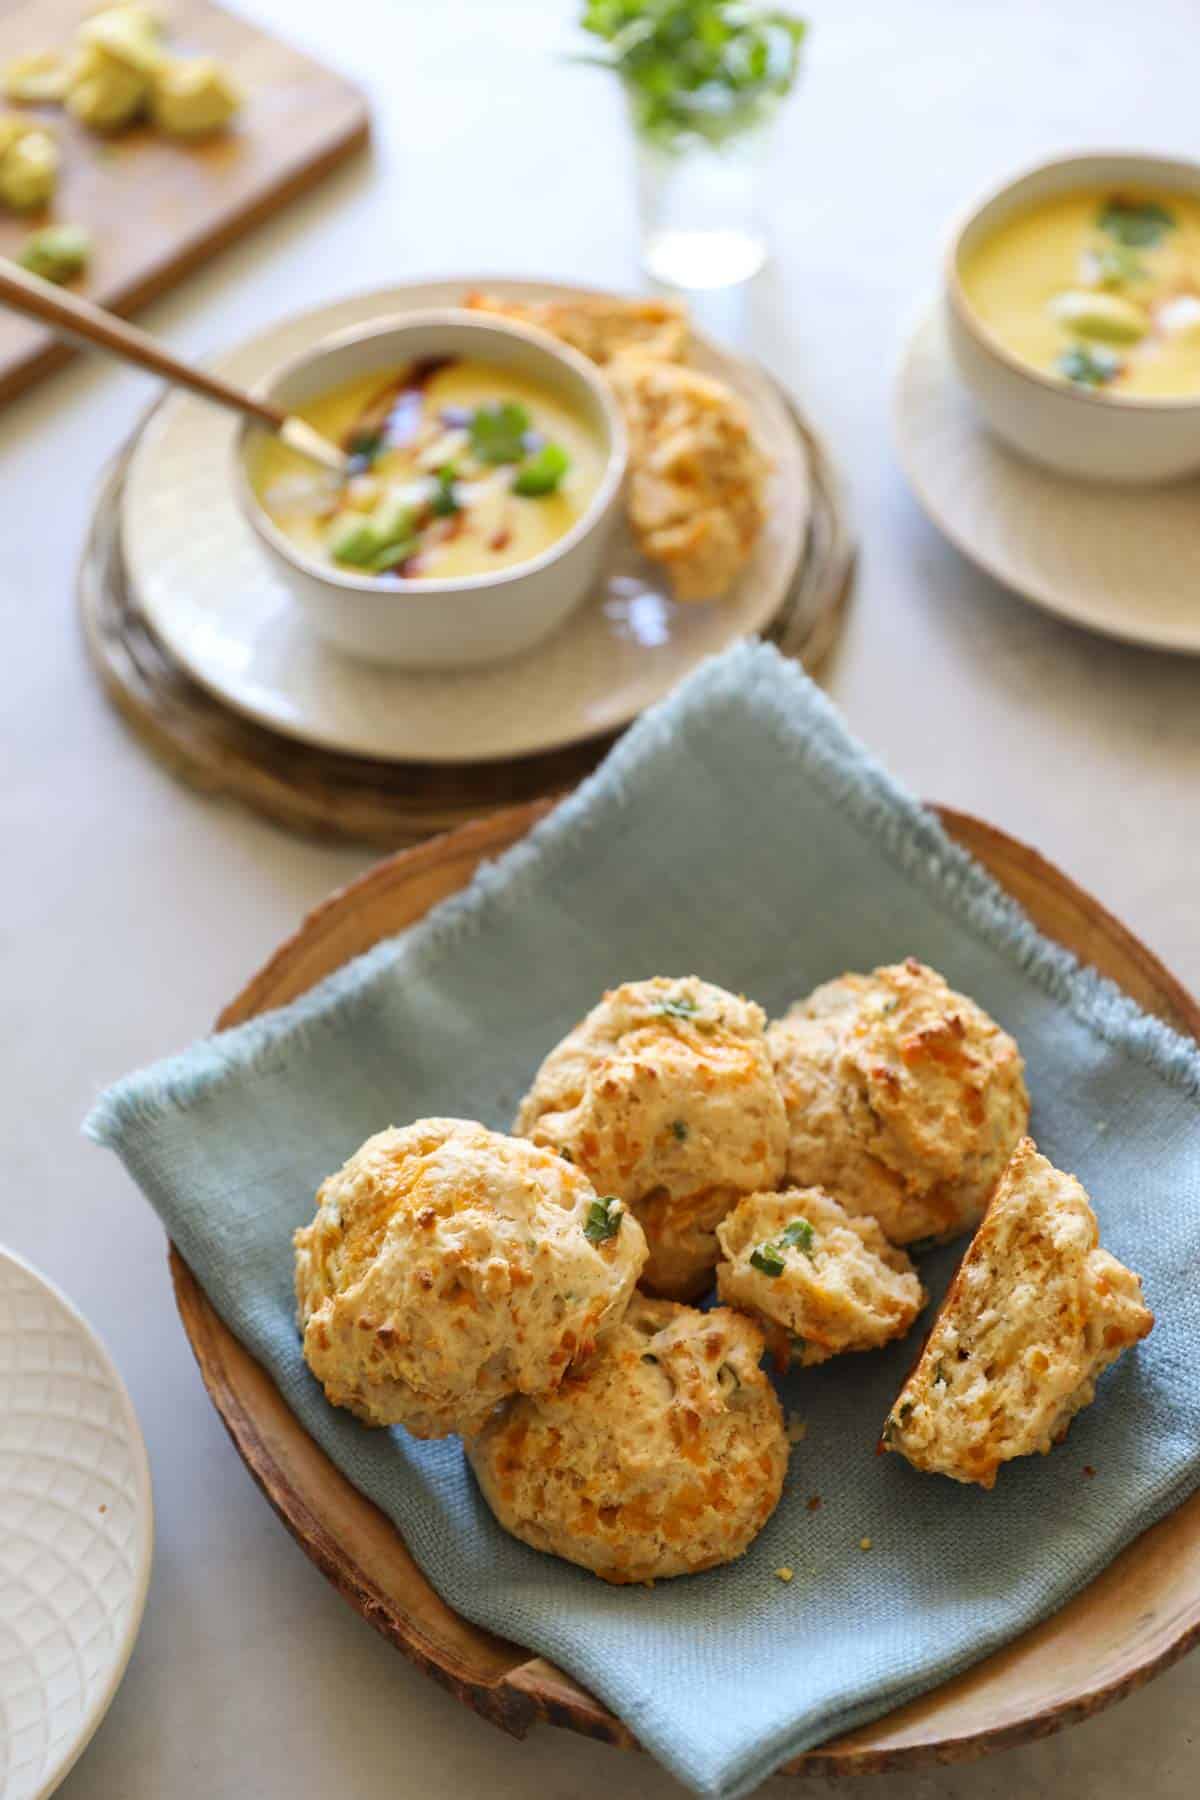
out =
column 156, row 206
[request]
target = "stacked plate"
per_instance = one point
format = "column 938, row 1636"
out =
column 200, row 646
column 1118, row 560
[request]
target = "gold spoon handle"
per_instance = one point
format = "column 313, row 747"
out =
column 70, row 316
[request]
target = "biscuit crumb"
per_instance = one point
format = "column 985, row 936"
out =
column 784, row 1574
column 1088, row 1469
column 797, row 1428
column 814, row 1502
column 864, row 1543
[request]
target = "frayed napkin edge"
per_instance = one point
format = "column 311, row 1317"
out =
column 811, row 734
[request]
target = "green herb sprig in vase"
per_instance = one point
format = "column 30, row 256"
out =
column 703, row 80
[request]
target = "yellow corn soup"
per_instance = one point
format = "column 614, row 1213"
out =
column 456, row 468
column 1101, row 288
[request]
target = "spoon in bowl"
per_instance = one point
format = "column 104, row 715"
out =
column 69, row 316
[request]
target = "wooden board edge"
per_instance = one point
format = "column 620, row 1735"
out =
column 355, row 136
column 533, row 1690
column 966, row 828
column 334, row 796
column 500, row 1702
column 473, row 842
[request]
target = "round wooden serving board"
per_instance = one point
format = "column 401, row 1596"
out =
column 1137, row 1617
column 391, row 805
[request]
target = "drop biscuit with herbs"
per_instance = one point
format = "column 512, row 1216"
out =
column 664, row 1455
column 449, row 1267
column 664, row 1095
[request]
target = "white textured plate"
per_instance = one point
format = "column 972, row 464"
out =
column 1124, row 561
column 213, row 600
column 76, row 1531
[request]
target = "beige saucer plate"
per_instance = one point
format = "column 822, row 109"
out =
column 210, row 596
column 1122, row 561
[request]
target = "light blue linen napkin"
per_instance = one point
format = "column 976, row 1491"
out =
column 737, row 831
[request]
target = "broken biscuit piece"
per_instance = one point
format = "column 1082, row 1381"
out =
column 1036, row 1312
column 817, row 1279
column 697, row 479
column 600, row 326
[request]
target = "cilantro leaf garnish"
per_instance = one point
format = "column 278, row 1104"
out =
column 542, row 473
column 1139, row 224
column 498, row 432
column 677, row 1006
column 445, row 502
column 768, row 1260
column 603, row 1220
column 1089, row 365
column 1115, row 265
column 362, row 447
column 392, row 555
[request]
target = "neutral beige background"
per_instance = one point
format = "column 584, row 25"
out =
column 132, row 909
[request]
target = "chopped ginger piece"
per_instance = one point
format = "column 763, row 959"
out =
column 37, row 77
column 193, row 96
column 28, row 164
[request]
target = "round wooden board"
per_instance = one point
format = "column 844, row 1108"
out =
column 391, row 805
column 1137, row 1617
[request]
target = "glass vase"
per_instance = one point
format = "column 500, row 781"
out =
column 701, row 204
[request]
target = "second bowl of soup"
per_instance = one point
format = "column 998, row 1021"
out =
column 484, row 475
column 1073, row 308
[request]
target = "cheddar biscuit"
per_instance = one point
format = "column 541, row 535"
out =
column 663, row 1456
column 904, row 1099
column 697, row 478
column 600, row 326
column 1036, row 1312
column 664, row 1095
column 449, row 1266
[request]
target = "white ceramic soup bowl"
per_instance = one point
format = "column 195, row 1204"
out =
column 471, row 619
column 1076, row 431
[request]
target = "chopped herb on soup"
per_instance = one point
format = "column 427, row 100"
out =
column 1135, row 223
column 1098, row 287
column 543, row 472
column 456, row 468
column 498, row 432
column 1089, row 365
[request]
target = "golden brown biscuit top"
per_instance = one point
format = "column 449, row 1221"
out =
column 904, row 1098
column 448, row 1266
column 600, row 326
column 665, row 1087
